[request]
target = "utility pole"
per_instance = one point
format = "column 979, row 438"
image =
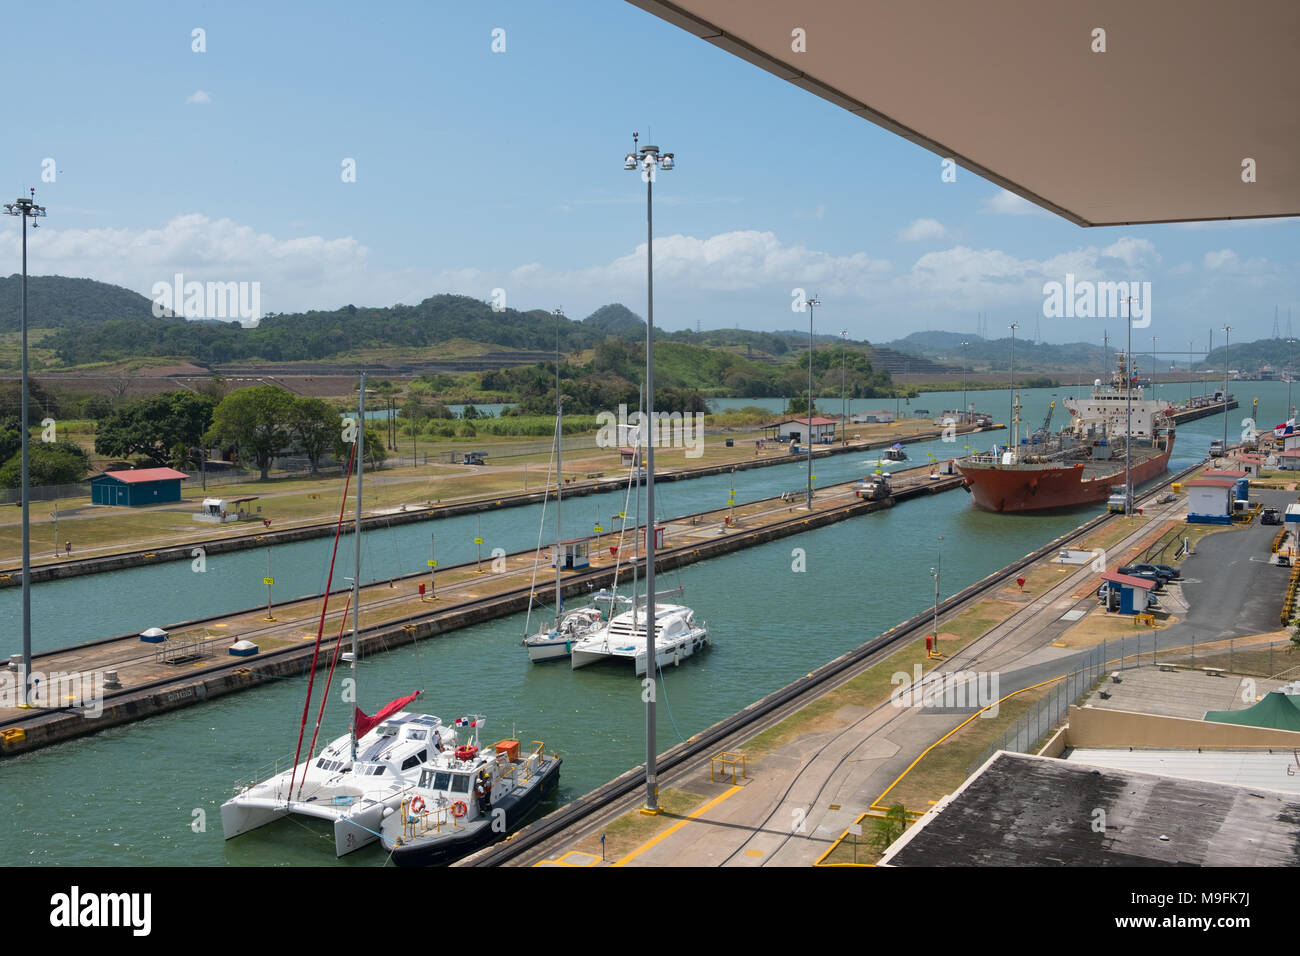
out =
column 25, row 207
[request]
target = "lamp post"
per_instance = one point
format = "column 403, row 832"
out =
column 1011, row 413
column 1191, row 379
column 1227, row 344
column 1128, row 421
column 26, row 208
column 812, row 304
column 648, row 159
column 934, row 573
column 965, row 415
column 1153, row 368
column 1290, row 412
column 844, row 365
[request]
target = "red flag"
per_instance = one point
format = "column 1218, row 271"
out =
column 365, row 724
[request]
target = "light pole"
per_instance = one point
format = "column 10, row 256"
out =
column 812, row 304
column 844, row 365
column 1227, row 344
column 1290, row 412
column 1128, row 421
column 1191, row 379
column 934, row 573
column 648, row 159
column 965, row 415
column 26, row 208
column 1153, row 368
column 1011, row 413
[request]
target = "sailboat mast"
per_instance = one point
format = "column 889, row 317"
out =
column 559, row 476
column 356, row 535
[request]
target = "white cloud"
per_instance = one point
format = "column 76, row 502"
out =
column 1239, row 223
column 920, row 229
column 304, row 272
column 818, row 213
column 1222, row 259
column 199, row 96
column 1007, row 203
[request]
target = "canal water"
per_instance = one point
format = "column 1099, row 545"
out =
column 150, row 793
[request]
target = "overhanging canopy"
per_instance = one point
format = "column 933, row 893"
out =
column 1155, row 129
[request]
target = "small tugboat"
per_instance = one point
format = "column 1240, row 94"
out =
column 466, row 798
column 895, row 453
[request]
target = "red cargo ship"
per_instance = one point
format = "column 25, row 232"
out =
column 1085, row 463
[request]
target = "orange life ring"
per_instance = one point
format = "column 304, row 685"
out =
column 466, row 752
column 458, row 809
column 417, row 805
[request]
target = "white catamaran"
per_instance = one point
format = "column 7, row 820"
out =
column 361, row 777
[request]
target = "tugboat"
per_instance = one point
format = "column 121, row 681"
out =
column 466, row 798
column 895, row 452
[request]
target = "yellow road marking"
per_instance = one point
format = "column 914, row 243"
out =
column 677, row 826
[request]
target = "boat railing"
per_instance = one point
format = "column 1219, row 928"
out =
column 267, row 771
column 417, row 823
column 533, row 760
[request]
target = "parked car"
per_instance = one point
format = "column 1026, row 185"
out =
column 474, row 458
column 1270, row 516
column 1164, row 573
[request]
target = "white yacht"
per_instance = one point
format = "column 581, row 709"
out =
column 353, row 795
column 555, row 643
column 678, row 635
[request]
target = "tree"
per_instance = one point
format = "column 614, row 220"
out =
column 313, row 425
column 376, row 454
column 255, row 422
column 49, row 463
column 154, row 426
column 888, row 830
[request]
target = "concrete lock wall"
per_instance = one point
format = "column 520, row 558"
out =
column 1098, row 727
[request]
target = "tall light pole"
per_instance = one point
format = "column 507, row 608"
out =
column 812, row 304
column 1191, row 379
column 648, row 159
column 1290, row 412
column 844, row 365
column 964, row 406
column 934, row 573
column 1153, row 368
column 1011, row 420
column 1128, row 422
column 1227, row 344
column 26, row 208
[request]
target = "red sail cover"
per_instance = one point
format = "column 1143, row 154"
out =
column 365, row 724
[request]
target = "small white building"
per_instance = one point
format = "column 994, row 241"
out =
column 1289, row 460
column 223, row 510
column 1209, row 500
column 880, row 416
column 797, row 429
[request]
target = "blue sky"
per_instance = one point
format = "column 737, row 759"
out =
column 478, row 170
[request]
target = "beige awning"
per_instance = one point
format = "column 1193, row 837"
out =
column 1155, row 129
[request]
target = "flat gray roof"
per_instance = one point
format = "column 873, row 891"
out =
column 1019, row 810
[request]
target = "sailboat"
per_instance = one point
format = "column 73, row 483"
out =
column 363, row 776
column 554, row 643
column 677, row 633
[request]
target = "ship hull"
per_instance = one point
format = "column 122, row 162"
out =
column 1013, row 488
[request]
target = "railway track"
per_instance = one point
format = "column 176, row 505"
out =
column 774, row 707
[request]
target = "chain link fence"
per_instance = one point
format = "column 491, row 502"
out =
column 1047, row 713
